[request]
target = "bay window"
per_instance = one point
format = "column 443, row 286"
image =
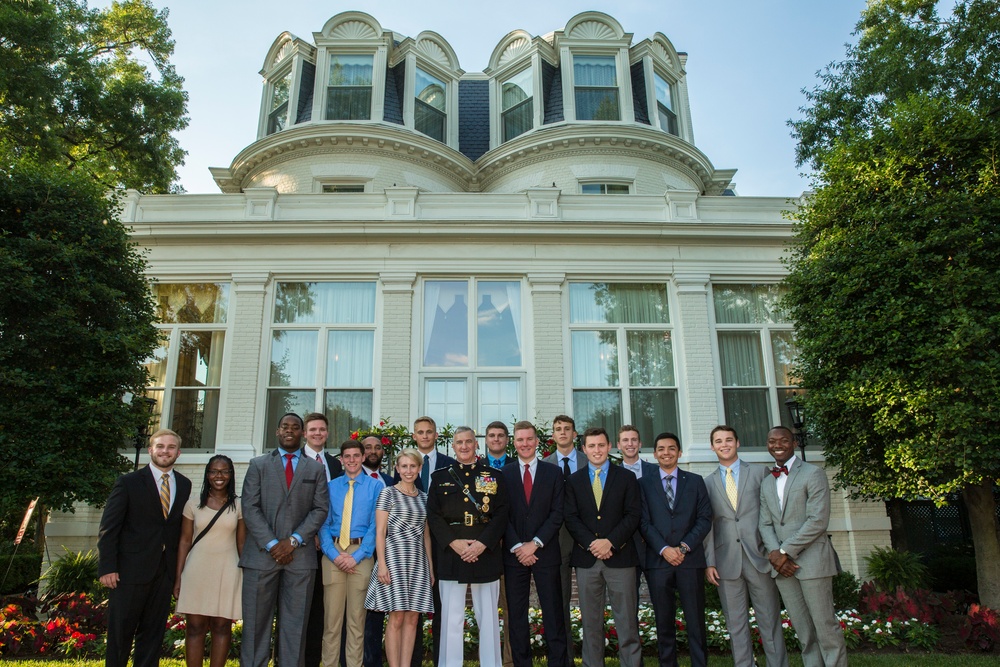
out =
column 595, row 81
column 349, row 87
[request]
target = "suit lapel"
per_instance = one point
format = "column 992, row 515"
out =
column 793, row 475
column 715, row 479
column 682, row 482
column 741, row 485
column 154, row 489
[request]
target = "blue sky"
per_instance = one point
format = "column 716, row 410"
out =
column 747, row 63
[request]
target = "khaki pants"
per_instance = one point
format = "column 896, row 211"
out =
column 344, row 604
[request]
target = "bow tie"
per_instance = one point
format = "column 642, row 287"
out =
column 776, row 471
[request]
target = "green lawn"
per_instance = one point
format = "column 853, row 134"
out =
column 856, row 660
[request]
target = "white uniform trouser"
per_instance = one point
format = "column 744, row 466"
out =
column 485, row 599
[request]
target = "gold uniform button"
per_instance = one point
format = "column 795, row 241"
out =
column 465, row 499
column 598, row 516
column 466, row 486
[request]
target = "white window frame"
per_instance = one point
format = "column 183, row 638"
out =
column 654, row 105
column 496, row 92
column 330, row 48
column 604, row 182
column 626, row 109
column 776, row 408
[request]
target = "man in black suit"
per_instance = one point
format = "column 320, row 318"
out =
column 137, row 543
column 629, row 444
column 531, row 548
column 602, row 512
column 425, row 437
column 317, row 431
column 676, row 518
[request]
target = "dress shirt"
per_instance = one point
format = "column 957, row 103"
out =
column 572, row 460
column 432, row 458
column 318, row 458
column 295, row 464
column 602, row 471
column 736, row 473
column 497, row 463
column 781, row 480
column 157, row 474
column 673, row 480
column 366, row 491
column 374, row 474
column 636, row 467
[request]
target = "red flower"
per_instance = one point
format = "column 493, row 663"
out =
column 354, row 436
column 381, row 423
column 386, row 440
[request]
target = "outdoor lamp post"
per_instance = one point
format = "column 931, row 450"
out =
column 797, row 413
column 143, row 431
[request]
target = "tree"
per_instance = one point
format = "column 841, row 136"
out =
column 75, row 326
column 896, row 262
column 75, row 90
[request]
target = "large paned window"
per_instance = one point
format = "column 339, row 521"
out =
column 472, row 352
column 665, row 104
column 186, row 369
column 756, row 354
column 596, row 87
column 430, row 106
column 349, row 87
column 623, row 357
column 277, row 117
column 322, row 354
column 517, row 110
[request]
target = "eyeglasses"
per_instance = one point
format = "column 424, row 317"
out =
column 219, row 473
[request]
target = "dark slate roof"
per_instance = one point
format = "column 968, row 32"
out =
column 473, row 118
column 394, row 94
column 304, row 112
column 639, row 94
column 552, row 87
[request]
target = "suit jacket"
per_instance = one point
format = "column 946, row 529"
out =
column 133, row 534
column 540, row 518
column 615, row 520
column 442, row 461
column 734, row 531
column 689, row 521
column 800, row 527
column 273, row 511
column 640, row 543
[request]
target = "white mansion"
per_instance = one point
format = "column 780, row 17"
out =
column 405, row 238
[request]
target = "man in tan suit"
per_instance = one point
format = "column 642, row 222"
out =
column 737, row 560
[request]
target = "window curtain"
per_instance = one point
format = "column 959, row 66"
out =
column 624, row 303
column 349, row 359
column 748, row 304
column 650, row 359
column 741, row 359
column 293, row 358
column 595, row 359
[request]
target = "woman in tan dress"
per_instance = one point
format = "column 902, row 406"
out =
column 209, row 580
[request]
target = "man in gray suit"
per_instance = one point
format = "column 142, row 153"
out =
column 569, row 459
column 284, row 504
column 794, row 517
column 737, row 560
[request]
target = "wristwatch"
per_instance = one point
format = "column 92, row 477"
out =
column 782, row 552
column 538, row 542
column 685, row 549
column 293, row 541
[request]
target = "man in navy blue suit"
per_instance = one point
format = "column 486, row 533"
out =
column 676, row 517
column 425, row 436
column 629, row 444
column 531, row 548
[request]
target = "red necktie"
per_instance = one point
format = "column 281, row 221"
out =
column 375, row 475
column 288, row 470
column 527, row 483
column 776, row 471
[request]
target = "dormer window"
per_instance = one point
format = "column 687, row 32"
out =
column 349, row 89
column 596, row 88
column 277, row 117
column 517, row 109
column 604, row 188
column 665, row 105
column 430, row 106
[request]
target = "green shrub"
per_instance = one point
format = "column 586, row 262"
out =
column 891, row 569
column 953, row 567
column 23, row 573
column 76, row 572
column 846, row 591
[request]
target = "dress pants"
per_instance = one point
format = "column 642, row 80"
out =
column 138, row 611
column 484, row 604
column 810, row 607
column 549, row 588
column 664, row 585
column 756, row 588
column 290, row 590
column 344, row 611
column 505, row 631
column 619, row 584
column 566, row 546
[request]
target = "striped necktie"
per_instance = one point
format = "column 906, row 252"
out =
column 731, row 487
column 165, row 494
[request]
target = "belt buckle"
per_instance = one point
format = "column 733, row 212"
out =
column 468, row 519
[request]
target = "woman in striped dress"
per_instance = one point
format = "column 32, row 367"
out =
column 401, row 584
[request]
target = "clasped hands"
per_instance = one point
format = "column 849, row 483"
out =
column 283, row 551
column 468, row 550
column 526, row 553
column 783, row 563
column 601, row 549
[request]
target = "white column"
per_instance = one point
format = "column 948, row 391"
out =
column 550, row 396
column 397, row 373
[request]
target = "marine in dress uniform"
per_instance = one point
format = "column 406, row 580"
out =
column 467, row 515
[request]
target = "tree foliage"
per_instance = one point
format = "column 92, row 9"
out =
column 76, row 90
column 75, row 326
column 895, row 270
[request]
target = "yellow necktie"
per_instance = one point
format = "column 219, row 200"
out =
column 731, row 487
column 345, row 521
column 598, row 491
column 165, row 494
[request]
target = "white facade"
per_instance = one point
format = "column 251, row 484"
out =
column 325, row 275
